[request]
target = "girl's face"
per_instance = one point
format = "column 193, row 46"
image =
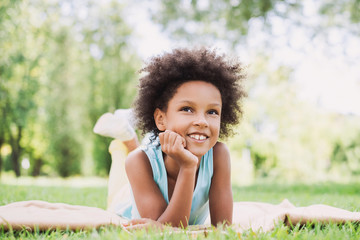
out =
column 194, row 112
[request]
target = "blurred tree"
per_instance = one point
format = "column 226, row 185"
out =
column 340, row 13
column 74, row 64
column 346, row 152
column 225, row 19
column 94, row 72
column 62, row 125
column 19, row 79
column 111, row 82
column 230, row 20
column 287, row 137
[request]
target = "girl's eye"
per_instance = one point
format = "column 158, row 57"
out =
column 213, row 112
column 186, row 109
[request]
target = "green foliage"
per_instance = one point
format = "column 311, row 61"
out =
column 288, row 138
column 347, row 153
column 225, row 19
column 102, row 156
column 19, row 78
column 230, row 20
column 66, row 153
column 74, row 64
column 340, row 10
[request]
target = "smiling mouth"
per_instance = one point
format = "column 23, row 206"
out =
column 198, row 137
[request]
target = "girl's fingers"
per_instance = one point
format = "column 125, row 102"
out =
column 172, row 143
column 183, row 142
column 167, row 140
column 141, row 223
column 172, row 138
column 180, row 141
column 165, row 144
column 137, row 221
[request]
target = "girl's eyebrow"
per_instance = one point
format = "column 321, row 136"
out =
column 215, row 104
column 192, row 103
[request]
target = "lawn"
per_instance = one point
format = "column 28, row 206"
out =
column 339, row 195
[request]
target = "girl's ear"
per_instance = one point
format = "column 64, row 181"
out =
column 160, row 119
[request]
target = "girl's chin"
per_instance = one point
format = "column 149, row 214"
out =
column 199, row 149
column 198, row 152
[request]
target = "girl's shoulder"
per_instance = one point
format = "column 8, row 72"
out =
column 221, row 156
column 220, row 148
column 137, row 159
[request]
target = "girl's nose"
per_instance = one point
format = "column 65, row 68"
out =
column 201, row 121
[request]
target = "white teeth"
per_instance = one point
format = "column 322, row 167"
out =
column 198, row 137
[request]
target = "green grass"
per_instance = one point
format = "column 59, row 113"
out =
column 339, row 195
column 344, row 196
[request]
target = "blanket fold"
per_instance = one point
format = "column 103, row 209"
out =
column 265, row 216
column 44, row 215
column 246, row 215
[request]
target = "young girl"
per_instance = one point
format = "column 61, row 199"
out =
column 187, row 100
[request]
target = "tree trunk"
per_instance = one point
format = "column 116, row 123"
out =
column 15, row 155
column 1, row 160
column 37, row 167
column 16, row 152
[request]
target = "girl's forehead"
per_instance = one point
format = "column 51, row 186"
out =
column 198, row 89
column 197, row 84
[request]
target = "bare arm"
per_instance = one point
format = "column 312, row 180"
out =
column 148, row 198
column 220, row 195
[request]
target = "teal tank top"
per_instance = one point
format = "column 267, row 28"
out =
column 200, row 202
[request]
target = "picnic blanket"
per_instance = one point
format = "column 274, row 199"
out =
column 44, row 215
column 265, row 216
column 247, row 215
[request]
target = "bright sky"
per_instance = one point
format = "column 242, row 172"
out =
column 331, row 82
column 328, row 76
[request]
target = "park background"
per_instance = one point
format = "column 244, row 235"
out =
column 64, row 63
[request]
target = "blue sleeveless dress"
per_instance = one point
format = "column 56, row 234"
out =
column 200, row 202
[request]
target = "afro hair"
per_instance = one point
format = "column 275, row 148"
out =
column 166, row 72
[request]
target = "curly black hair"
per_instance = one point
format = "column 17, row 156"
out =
column 165, row 73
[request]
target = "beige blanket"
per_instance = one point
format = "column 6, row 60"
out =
column 45, row 215
column 247, row 215
column 264, row 216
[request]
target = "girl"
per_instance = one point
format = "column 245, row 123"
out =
column 187, row 100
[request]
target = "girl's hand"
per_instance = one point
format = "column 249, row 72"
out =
column 174, row 145
column 142, row 223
